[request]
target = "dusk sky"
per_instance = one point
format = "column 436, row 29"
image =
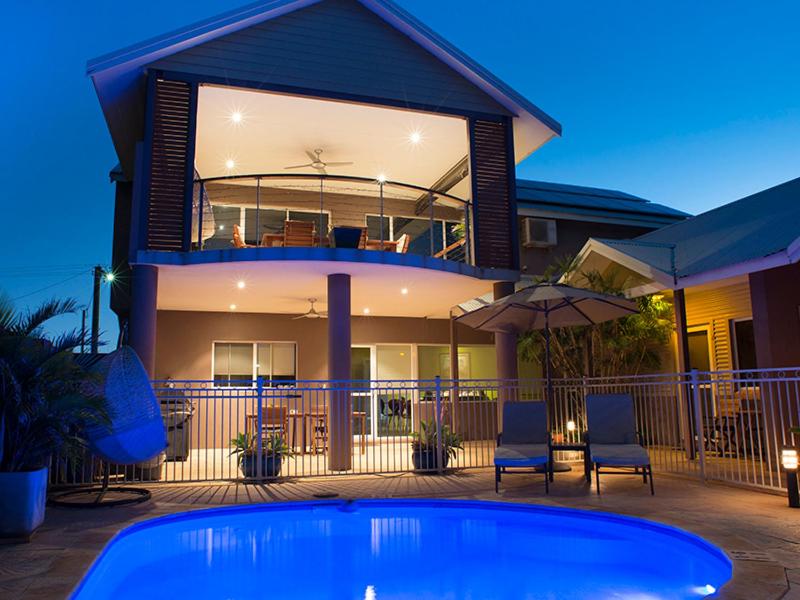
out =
column 690, row 104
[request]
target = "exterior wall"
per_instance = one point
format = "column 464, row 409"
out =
column 184, row 339
column 571, row 237
column 776, row 316
column 338, row 47
column 716, row 308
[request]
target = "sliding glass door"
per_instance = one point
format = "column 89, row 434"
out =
column 383, row 372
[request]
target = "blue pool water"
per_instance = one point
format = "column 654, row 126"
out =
column 403, row 549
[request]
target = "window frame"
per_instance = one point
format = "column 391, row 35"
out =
column 254, row 362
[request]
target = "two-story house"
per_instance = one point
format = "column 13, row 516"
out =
column 306, row 189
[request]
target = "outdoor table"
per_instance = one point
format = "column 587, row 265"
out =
column 574, row 447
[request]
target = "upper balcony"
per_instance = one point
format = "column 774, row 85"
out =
column 325, row 211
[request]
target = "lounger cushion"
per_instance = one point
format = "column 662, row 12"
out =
column 621, row 455
column 520, row 455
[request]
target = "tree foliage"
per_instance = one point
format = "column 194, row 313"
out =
column 626, row 346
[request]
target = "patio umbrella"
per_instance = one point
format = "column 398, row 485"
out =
column 545, row 306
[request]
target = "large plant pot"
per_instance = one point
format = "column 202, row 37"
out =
column 270, row 465
column 425, row 460
column 23, row 497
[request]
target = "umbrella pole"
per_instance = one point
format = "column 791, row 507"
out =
column 547, row 365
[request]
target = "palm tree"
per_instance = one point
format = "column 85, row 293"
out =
column 48, row 395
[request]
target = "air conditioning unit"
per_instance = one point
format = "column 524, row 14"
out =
column 539, row 233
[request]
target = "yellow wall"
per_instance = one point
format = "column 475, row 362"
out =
column 715, row 308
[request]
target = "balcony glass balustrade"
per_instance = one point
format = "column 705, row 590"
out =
column 316, row 210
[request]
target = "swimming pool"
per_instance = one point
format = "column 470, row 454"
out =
column 403, row 549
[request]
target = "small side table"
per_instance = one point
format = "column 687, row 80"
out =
column 574, row 447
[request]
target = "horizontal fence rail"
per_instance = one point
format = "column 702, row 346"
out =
column 728, row 426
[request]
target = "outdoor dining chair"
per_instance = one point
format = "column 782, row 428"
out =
column 612, row 440
column 524, row 441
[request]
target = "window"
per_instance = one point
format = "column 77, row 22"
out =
column 744, row 344
column 238, row 364
column 418, row 230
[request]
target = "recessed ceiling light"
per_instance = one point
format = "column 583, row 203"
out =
column 404, row 291
column 233, row 307
column 230, row 164
column 240, row 284
column 366, row 311
column 236, row 117
column 415, row 137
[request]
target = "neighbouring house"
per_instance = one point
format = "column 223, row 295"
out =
column 733, row 274
column 299, row 157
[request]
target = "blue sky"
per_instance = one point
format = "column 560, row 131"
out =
column 691, row 104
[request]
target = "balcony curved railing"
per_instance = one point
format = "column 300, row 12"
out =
column 320, row 210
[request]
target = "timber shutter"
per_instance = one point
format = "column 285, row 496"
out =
column 494, row 204
column 170, row 155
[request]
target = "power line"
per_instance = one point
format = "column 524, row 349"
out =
column 47, row 287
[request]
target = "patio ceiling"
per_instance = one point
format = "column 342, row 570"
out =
column 285, row 287
column 242, row 132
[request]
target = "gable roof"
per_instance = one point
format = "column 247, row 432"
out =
column 580, row 203
column 118, row 76
column 754, row 233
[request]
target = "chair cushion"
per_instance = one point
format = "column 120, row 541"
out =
column 621, row 455
column 520, row 455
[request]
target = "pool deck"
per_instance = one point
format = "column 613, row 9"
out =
column 758, row 530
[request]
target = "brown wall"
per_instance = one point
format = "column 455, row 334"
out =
column 183, row 339
column 775, row 299
column 571, row 236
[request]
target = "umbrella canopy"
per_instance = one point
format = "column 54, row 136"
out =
column 547, row 306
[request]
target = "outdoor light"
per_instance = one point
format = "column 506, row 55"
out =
column 221, row 227
column 404, row 291
column 109, row 276
column 382, row 178
column 236, row 117
column 230, row 163
column 366, row 311
column 240, row 284
column 415, row 137
column 570, row 425
column 789, row 462
column 233, row 307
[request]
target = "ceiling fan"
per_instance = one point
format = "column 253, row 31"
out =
column 317, row 162
column 312, row 312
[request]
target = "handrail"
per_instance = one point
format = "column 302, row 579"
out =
column 322, row 176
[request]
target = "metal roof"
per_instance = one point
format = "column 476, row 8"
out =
column 751, row 234
column 589, row 203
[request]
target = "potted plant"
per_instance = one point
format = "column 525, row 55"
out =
column 424, row 446
column 273, row 449
column 46, row 402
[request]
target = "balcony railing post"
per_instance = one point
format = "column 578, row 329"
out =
column 321, row 209
column 258, row 211
column 467, row 234
column 698, row 423
column 380, row 183
column 200, row 210
column 259, row 430
column 438, row 418
column 430, row 212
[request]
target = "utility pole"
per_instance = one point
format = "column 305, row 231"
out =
column 96, row 275
column 83, row 330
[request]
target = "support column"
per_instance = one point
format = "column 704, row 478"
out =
column 340, row 410
column 685, row 396
column 505, row 346
column 142, row 323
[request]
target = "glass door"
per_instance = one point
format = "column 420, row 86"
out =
column 394, row 394
column 361, row 369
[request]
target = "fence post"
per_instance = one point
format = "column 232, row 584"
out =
column 700, row 446
column 259, row 428
column 438, row 418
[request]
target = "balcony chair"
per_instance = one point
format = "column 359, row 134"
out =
column 298, row 234
column 456, row 247
column 402, row 243
column 237, row 240
column 524, row 442
column 612, row 440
